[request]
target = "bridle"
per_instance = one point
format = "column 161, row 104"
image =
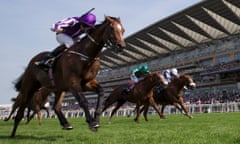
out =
column 108, row 44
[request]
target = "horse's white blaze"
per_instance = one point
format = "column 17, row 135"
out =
column 120, row 28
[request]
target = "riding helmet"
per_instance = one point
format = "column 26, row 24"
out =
column 88, row 19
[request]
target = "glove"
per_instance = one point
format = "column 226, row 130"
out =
column 59, row 30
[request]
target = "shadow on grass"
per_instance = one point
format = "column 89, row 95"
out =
column 37, row 138
column 237, row 141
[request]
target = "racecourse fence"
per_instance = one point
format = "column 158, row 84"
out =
column 130, row 110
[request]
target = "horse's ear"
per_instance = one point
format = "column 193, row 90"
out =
column 108, row 18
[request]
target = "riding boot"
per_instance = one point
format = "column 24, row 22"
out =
column 45, row 60
column 127, row 89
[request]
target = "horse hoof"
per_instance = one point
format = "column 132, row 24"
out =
column 67, row 127
column 94, row 125
column 93, row 129
column 162, row 117
column 136, row 120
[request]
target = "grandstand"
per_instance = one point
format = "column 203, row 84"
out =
column 202, row 41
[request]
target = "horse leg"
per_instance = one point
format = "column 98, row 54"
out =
column 46, row 109
column 82, row 101
column 154, row 105
column 184, row 109
column 142, row 109
column 98, row 111
column 39, row 116
column 29, row 118
column 94, row 86
column 138, row 113
column 145, row 107
column 18, row 118
column 176, row 105
column 58, row 110
column 14, row 107
column 13, row 110
column 119, row 104
column 28, row 114
column 108, row 102
column 162, row 116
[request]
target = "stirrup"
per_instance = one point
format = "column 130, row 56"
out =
column 47, row 63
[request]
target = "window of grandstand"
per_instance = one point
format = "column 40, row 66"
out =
column 223, row 59
column 237, row 56
column 206, row 62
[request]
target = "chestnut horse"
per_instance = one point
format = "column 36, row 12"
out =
column 36, row 103
column 173, row 94
column 74, row 71
column 142, row 94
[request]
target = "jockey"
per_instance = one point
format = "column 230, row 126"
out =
column 68, row 31
column 137, row 74
column 169, row 75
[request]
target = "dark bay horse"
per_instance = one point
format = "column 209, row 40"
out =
column 142, row 94
column 36, row 103
column 173, row 94
column 74, row 71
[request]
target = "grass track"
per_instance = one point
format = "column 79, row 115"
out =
column 214, row 128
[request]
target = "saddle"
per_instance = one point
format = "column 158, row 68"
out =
column 49, row 65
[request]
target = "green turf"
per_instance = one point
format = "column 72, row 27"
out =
column 215, row 128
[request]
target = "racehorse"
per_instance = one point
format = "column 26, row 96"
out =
column 173, row 94
column 141, row 94
column 36, row 103
column 74, row 71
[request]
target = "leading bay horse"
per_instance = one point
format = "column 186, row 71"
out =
column 75, row 71
column 172, row 94
column 142, row 94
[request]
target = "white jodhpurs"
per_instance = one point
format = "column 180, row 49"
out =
column 65, row 39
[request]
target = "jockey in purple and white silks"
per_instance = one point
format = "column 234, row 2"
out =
column 68, row 31
column 169, row 75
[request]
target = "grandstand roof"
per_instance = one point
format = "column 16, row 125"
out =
column 203, row 22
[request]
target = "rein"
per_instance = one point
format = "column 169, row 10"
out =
column 92, row 39
column 83, row 57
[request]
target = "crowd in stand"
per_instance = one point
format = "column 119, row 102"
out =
column 211, row 98
column 223, row 66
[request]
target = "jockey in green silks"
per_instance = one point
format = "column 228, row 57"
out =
column 136, row 75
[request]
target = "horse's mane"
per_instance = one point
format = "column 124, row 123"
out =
column 100, row 24
column 177, row 79
column 146, row 77
column 97, row 26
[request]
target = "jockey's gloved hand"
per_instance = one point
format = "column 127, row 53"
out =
column 59, row 30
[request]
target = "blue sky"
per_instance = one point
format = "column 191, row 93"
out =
column 25, row 27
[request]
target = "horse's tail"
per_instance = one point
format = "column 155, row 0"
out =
column 18, row 83
column 113, row 97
